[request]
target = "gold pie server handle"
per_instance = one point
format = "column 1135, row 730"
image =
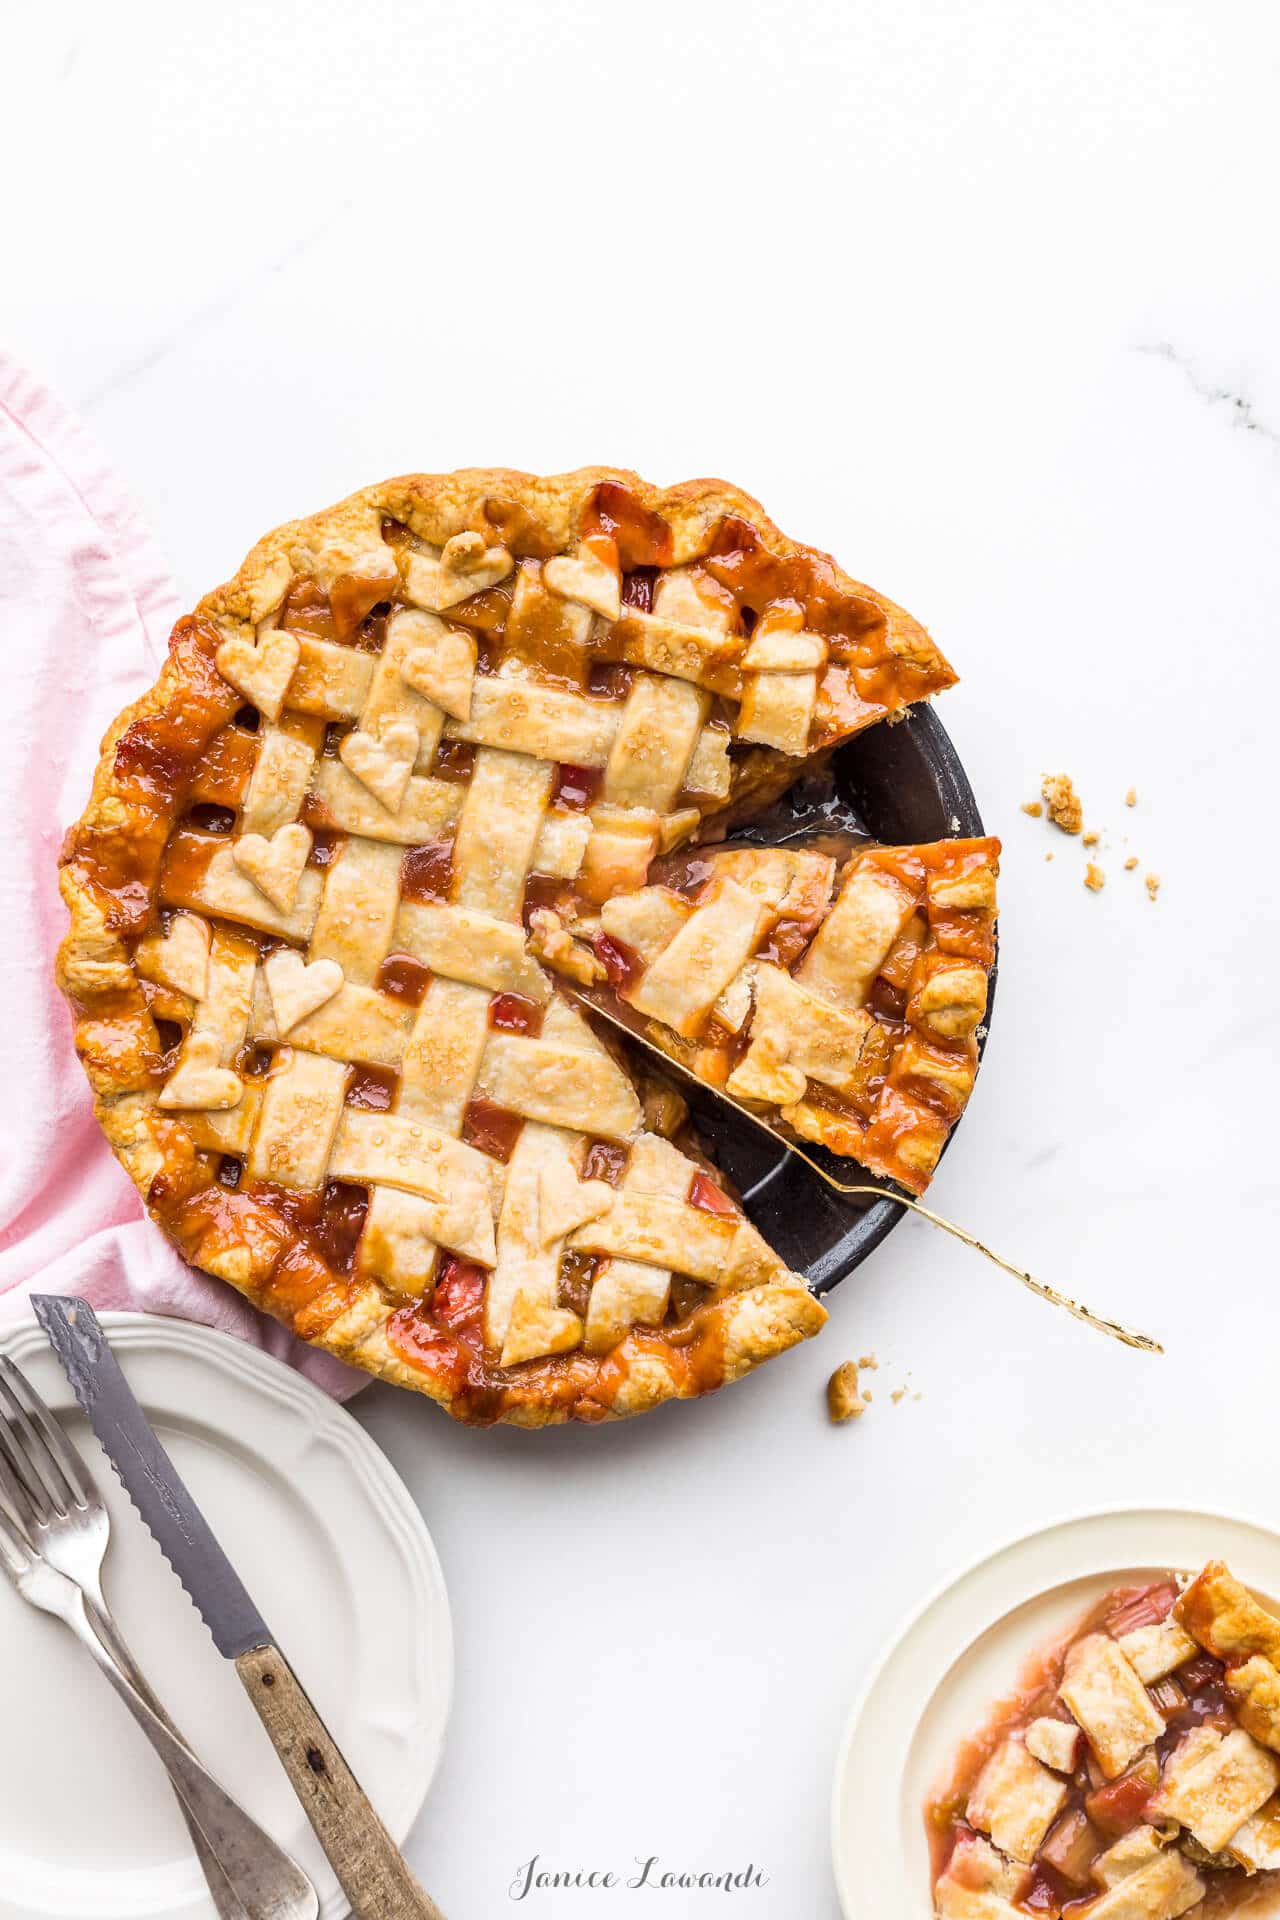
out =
column 374, row 1874
column 619, row 1016
column 1128, row 1336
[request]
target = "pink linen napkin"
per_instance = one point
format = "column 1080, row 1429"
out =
column 86, row 605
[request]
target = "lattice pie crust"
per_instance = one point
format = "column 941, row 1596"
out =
column 321, row 1040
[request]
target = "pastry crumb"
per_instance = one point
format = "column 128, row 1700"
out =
column 869, row 1361
column 1066, row 812
column 1063, row 802
column 899, row 1393
column 844, row 1400
column 1032, row 807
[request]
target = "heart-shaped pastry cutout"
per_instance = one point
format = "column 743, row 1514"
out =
column 443, row 670
column 383, row 763
column 199, row 1081
column 465, row 566
column 536, row 1329
column 588, row 579
column 262, row 673
column 565, row 1202
column 275, row 866
column 297, row 988
column 179, row 958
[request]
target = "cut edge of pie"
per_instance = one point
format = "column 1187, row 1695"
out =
column 1135, row 1775
column 448, row 558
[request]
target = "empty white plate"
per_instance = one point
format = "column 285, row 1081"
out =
column 337, row 1557
column 965, row 1650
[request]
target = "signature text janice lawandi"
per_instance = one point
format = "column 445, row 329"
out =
column 533, row 1877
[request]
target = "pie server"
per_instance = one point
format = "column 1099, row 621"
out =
column 739, row 1163
column 367, row 1861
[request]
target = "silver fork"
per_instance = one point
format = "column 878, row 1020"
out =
column 54, row 1531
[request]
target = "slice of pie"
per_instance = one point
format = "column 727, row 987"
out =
column 1135, row 1774
column 318, row 1037
column 840, row 998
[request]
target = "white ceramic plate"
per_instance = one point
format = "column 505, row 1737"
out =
column 964, row 1650
column 337, row 1557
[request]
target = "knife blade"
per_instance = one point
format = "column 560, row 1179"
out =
column 150, row 1478
column 369, row 1865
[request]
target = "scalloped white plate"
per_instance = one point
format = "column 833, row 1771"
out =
column 336, row 1555
column 964, row 1650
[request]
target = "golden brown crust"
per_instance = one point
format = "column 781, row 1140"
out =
column 128, row 821
column 1255, row 1687
column 434, row 506
column 878, row 1062
column 1223, row 1617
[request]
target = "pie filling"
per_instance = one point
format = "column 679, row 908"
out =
column 1135, row 1774
column 426, row 749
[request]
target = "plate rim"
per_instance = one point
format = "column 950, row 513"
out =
column 958, row 1573
column 330, row 1420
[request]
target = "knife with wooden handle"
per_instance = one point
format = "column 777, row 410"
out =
column 361, row 1852
column 372, row 1871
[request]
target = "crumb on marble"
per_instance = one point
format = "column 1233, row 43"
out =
column 1091, row 839
column 869, row 1361
column 1032, row 807
column 1131, row 798
column 1094, row 878
column 844, row 1399
column 898, row 1394
column 1048, row 856
column 1063, row 802
column 1131, row 863
column 1153, row 885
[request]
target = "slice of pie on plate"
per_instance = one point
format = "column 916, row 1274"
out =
column 1135, row 1774
column 839, row 996
column 318, row 1037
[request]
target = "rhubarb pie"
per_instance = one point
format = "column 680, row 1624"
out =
column 424, row 749
column 1134, row 1776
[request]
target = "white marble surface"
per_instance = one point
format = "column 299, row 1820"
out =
column 985, row 300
